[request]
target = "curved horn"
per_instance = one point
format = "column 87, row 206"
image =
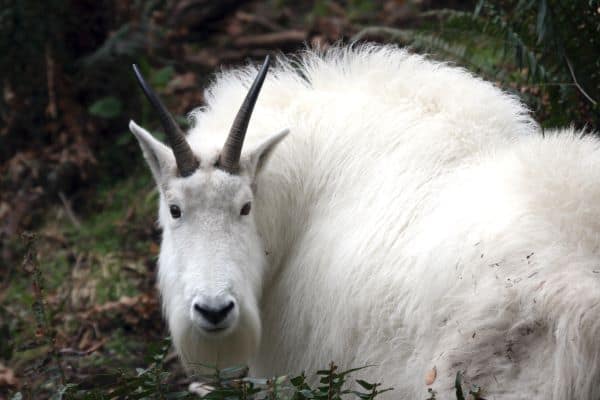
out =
column 184, row 157
column 230, row 156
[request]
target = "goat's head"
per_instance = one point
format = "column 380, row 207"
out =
column 212, row 259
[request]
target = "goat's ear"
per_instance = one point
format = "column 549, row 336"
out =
column 158, row 156
column 259, row 156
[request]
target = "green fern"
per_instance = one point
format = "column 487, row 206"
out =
column 520, row 43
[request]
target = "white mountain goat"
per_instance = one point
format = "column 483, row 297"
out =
column 415, row 217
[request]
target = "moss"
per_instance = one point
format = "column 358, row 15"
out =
column 115, row 214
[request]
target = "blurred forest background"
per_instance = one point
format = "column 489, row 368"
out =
column 81, row 308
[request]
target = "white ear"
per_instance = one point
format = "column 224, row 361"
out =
column 158, row 156
column 259, row 156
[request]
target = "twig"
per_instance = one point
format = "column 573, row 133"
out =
column 577, row 85
column 258, row 20
column 69, row 210
column 72, row 352
column 274, row 39
column 207, row 59
column 51, row 109
column 198, row 12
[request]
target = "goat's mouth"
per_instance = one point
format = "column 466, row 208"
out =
column 214, row 332
column 215, row 329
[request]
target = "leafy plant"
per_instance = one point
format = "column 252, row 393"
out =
column 547, row 50
column 331, row 384
column 107, row 107
column 474, row 393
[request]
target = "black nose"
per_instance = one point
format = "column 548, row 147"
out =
column 214, row 316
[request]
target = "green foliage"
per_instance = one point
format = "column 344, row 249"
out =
column 546, row 49
column 143, row 383
column 99, row 262
column 107, row 107
column 474, row 393
column 360, row 9
column 458, row 387
column 45, row 330
column 556, row 45
column 225, row 384
column 231, row 383
column 161, row 77
column 109, row 228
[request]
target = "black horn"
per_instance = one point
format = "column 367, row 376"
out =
column 230, row 156
column 184, row 157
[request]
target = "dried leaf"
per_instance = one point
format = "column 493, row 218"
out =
column 430, row 376
column 7, row 377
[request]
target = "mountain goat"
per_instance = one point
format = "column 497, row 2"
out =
column 414, row 217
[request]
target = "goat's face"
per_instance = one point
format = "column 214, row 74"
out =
column 211, row 252
column 212, row 258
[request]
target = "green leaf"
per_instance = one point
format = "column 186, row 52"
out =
column 183, row 121
column 307, row 393
column 298, row 380
column 62, row 390
column 361, row 395
column 324, row 379
column 161, row 77
column 478, row 8
column 458, row 387
column 541, row 21
column 256, row 381
column 365, row 384
column 106, row 107
column 124, row 139
column 349, row 371
column 532, row 64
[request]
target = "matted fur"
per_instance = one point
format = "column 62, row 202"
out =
column 414, row 217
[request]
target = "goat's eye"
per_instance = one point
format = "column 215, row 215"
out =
column 246, row 209
column 175, row 211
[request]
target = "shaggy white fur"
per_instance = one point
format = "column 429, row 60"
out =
column 414, row 217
